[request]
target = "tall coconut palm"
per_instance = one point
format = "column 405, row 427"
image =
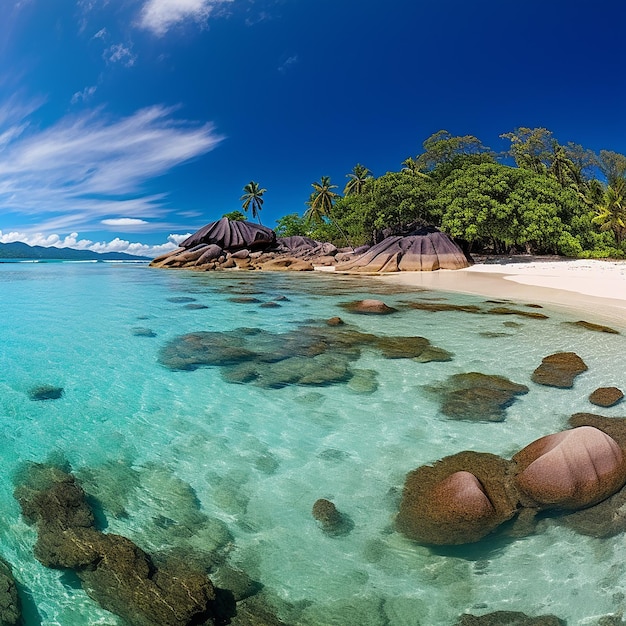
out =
column 611, row 210
column 358, row 177
column 322, row 199
column 253, row 199
column 321, row 202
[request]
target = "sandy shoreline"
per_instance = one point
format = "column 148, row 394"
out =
column 587, row 286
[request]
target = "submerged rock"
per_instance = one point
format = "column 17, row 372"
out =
column 331, row 520
column 559, row 370
column 475, row 396
column 112, row 569
column 45, row 392
column 606, row 396
column 509, row 618
column 10, row 607
column 595, row 327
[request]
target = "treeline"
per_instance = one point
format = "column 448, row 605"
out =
column 556, row 199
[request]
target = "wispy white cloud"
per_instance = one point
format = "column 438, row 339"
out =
column 287, row 63
column 119, row 53
column 84, row 95
column 124, row 221
column 159, row 16
column 101, row 34
column 85, row 168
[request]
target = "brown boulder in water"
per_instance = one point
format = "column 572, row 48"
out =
column 559, row 370
column 572, row 469
column 232, row 235
column 606, row 396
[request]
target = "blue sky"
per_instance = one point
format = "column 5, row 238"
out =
column 126, row 124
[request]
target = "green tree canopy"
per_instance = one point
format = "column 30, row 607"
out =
column 442, row 147
column 235, row 216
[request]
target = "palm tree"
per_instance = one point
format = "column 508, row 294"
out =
column 412, row 166
column 611, row 210
column 358, row 177
column 322, row 199
column 321, row 202
column 253, row 199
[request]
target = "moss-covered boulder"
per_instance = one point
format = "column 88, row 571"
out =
column 459, row 499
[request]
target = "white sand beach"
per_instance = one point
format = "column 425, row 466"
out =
column 594, row 286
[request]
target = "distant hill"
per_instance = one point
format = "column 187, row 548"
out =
column 20, row 250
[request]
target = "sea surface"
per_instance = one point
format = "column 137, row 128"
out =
column 184, row 459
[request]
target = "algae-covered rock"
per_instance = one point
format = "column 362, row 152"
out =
column 477, row 397
column 331, row 520
column 10, row 607
column 606, row 396
column 45, row 392
column 559, row 370
column 368, row 307
column 508, row 618
column 459, row 499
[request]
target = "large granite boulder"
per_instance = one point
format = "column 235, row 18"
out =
column 232, row 235
column 426, row 249
column 459, row 499
column 572, row 469
column 559, row 370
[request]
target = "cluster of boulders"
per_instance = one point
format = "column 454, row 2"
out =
column 227, row 244
column 113, row 570
column 464, row 497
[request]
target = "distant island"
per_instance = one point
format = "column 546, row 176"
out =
column 20, row 250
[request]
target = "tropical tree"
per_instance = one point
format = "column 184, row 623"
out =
column 235, row 216
column 321, row 200
column 253, row 199
column 443, row 147
column 531, row 148
column 611, row 210
column 358, row 177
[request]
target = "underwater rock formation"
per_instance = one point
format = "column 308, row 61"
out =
column 475, row 396
column 509, row 618
column 572, row 469
column 559, row 370
column 10, row 608
column 45, row 392
column 113, row 570
column 606, row 396
column 426, row 249
column 331, row 520
column 315, row 354
column 600, row 328
column 459, row 499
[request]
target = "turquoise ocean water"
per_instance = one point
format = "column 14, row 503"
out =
column 183, row 459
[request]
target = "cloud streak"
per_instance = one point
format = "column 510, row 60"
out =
column 159, row 16
column 90, row 167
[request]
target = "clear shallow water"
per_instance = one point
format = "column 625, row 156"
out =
column 184, row 459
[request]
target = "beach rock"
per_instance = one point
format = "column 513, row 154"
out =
column 508, row 618
column 436, row 307
column 559, row 370
column 426, row 249
column 331, row 520
column 572, row 469
column 335, row 321
column 477, row 397
column 459, row 499
column 10, row 607
column 368, row 307
column 45, row 392
column 232, row 235
column 606, row 396
column 141, row 331
column 505, row 310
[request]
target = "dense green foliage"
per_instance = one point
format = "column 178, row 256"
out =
column 538, row 197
